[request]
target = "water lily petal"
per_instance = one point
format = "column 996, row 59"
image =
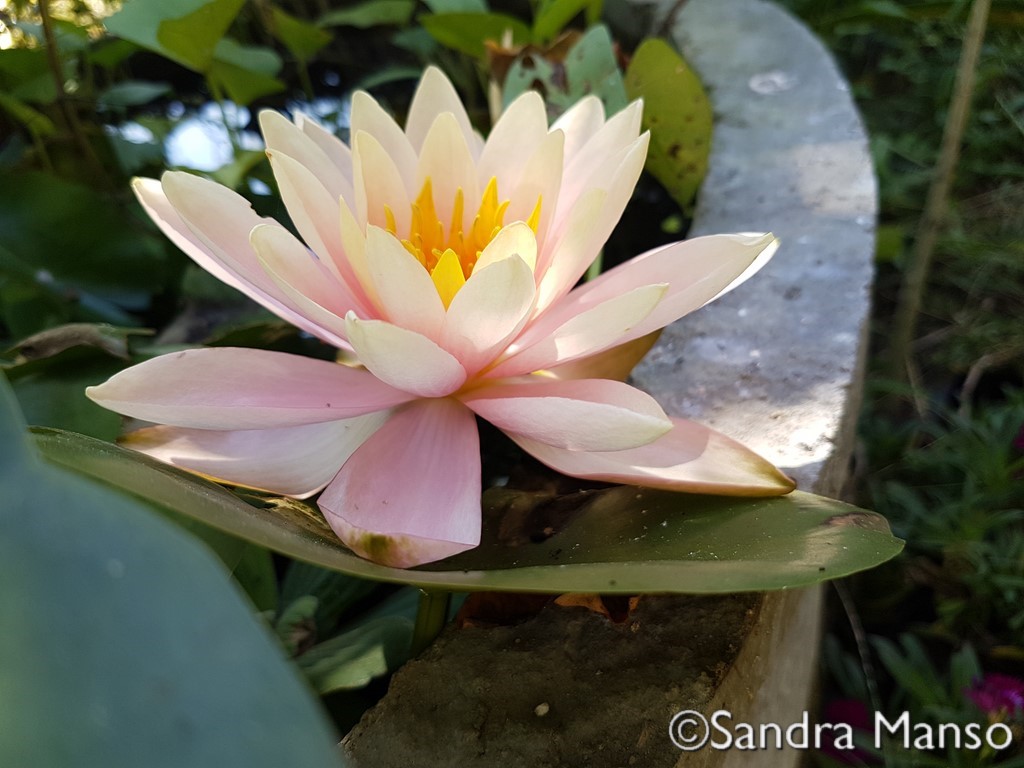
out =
column 618, row 176
column 282, row 135
column 404, row 359
column 546, row 344
column 378, row 184
column 579, row 123
column 334, row 148
column 300, row 276
column 434, row 96
column 540, row 182
column 517, row 134
column 614, row 363
column 229, row 388
column 446, row 160
column 211, row 224
column 294, row 461
column 369, row 116
column 404, row 288
column 691, row 457
column 315, row 214
column 516, row 239
column 411, row 493
column 621, row 130
column 697, row 271
column 584, row 415
column 488, row 311
column 574, row 246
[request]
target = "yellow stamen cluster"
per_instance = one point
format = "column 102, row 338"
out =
column 450, row 256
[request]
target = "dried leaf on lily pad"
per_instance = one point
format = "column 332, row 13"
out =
column 610, row 540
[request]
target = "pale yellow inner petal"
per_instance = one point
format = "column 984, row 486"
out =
column 450, row 254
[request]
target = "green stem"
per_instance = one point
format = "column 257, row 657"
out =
column 431, row 616
column 218, row 97
column 307, row 84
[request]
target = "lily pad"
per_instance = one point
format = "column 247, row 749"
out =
column 616, row 540
column 124, row 643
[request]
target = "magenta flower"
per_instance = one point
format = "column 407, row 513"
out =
column 998, row 695
column 445, row 266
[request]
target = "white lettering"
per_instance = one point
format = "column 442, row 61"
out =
column 902, row 724
column 717, row 726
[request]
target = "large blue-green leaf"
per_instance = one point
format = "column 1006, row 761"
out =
column 467, row 32
column 622, row 539
column 123, row 642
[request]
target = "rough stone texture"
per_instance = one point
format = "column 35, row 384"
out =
column 776, row 364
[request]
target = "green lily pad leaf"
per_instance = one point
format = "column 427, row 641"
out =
column 245, row 72
column 677, row 112
column 618, row 540
column 186, row 31
column 123, row 637
column 466, row 32
column 334, row 592
column 354, row 658
column 373, row 13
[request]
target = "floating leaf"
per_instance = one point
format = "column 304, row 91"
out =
column 124, row 643
column 109, row 338
column 620, row 540
column 466, row 32
column 677, row 112
column 374, row 13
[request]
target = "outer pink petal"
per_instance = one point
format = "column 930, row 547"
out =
column 229, row 388
column 690, row 458
column 287, row 138
column 211, row 224
column 411, row 493
column 404, row 359
column 545, row 345
column 435, row 95
column 335, row 149
column 697, row 271
column 581, row 415
column 294, row 461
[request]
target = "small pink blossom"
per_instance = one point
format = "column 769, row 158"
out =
column 444, row 265
column 998, row 695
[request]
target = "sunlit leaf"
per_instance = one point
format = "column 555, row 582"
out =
column 466, row 32
column 373, row 13
column 186, row 31
column 457, row 6
column 123, row 643
column 622, row 539
column 677, row 112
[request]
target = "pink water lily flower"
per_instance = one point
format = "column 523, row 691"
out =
column 444, row 264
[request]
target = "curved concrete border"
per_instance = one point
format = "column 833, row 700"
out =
column 777, row 364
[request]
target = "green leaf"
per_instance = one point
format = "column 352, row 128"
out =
column 36, row 122
column 254, row 571
column 677, row 112
column 252, row 58
column 234, row 173
column 590, row 68
column 373, row 13
column 132, row 93
column 301, row 38
column 354, row 658
column 457, row 6
column 53, row 341
column 553, row 15
column 620, row 540
column 466, row 32
column 186, row 31
column 245, row 72
column 335, row 592
column 123, row 640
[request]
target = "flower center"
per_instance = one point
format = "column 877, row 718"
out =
column 449, row 256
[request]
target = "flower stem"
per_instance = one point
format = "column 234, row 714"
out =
column 431, row 616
